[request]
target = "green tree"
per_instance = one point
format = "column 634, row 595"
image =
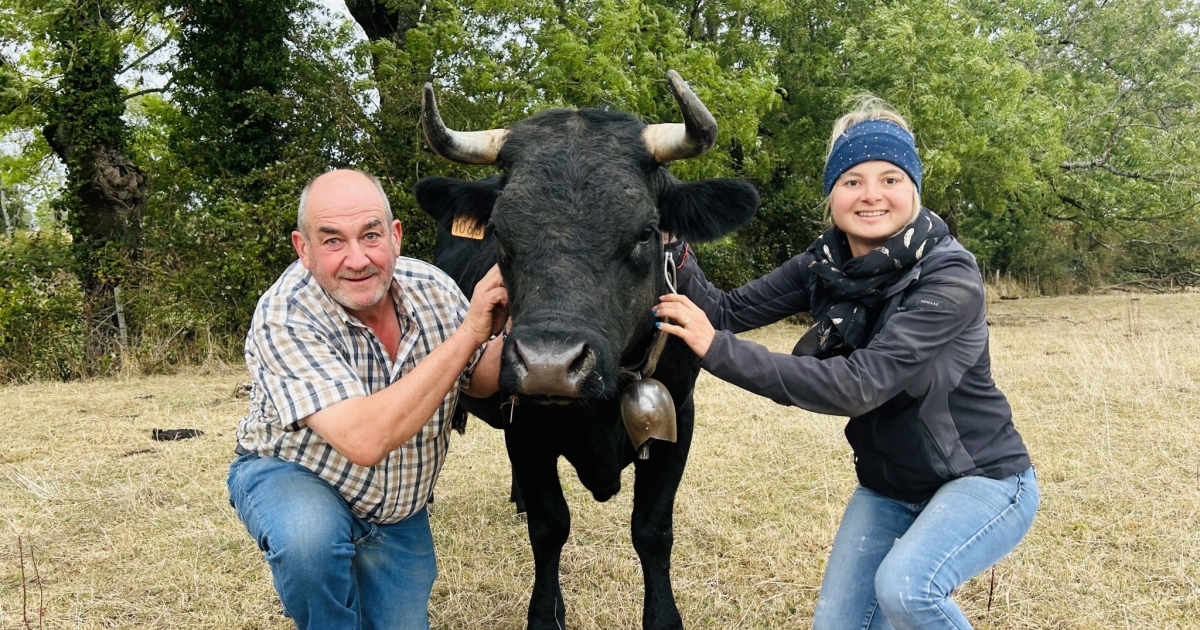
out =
column 77, row 50
column 231, row 71
column 1125, row 76
column 497, row 62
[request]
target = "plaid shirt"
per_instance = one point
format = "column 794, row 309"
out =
column 305, row 353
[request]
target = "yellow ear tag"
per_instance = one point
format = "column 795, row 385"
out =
column 467, row 228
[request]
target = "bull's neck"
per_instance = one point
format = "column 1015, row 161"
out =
column 635, row 356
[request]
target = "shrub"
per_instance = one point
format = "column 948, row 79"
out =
column 41, row 307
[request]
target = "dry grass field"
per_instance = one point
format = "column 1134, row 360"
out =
column 130, row 533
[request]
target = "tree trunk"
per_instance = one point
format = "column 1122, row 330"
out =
column 105, row 193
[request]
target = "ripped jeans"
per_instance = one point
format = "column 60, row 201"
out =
column 894, row 564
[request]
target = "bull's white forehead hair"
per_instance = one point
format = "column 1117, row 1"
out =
column 302, row 210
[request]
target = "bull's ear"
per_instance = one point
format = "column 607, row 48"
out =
column 707, row 210
column 446, row 199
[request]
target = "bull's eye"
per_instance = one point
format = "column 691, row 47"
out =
column 646, row 235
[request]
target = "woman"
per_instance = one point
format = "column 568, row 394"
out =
column 900, row 345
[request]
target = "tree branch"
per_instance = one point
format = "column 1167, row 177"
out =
column 139, row 60
column 1158, row 177
column 157, row 90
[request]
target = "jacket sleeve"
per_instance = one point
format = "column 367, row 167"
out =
column 933, row 315
column 781, row 293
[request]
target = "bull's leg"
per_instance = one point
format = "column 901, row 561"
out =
column 549, row 523
column 654, row 488
column 514, row 495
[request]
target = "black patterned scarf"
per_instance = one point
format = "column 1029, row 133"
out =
column 857, row 285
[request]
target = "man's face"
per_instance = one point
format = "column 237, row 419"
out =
column 349, row 247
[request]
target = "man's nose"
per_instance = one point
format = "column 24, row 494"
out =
column 356, row 256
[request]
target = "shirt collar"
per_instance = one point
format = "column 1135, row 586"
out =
column 405, row 310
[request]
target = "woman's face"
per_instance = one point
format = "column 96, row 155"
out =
column 870, row 202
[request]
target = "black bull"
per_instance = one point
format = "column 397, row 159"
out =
column 575, row 221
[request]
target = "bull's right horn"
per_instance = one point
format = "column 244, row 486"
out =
column 467, row 147
column 673, row 141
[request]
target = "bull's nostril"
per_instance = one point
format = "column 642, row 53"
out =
column 583, row 363
column 522, row 358
column 551, row 367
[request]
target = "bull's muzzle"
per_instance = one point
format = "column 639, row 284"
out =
column 551, row 367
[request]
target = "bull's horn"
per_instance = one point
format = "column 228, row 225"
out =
column 673, row 141
column 468, row 147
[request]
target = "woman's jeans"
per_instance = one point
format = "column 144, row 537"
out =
column 894, row 564
column 333, row 570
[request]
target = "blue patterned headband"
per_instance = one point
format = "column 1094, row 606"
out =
column 873, row 140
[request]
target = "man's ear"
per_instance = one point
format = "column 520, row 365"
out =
column 446, row 199
column 706, row 210
column 301, row 246
column 397, row 235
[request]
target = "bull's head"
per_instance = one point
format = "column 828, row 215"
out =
column 577, row 217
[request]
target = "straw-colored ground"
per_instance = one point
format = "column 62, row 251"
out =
column 132, row 533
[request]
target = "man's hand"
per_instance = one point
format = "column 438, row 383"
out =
column 488, row 311
column 365, row 429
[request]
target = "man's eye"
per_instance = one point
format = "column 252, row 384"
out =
column 332, row 241
column 371, row 236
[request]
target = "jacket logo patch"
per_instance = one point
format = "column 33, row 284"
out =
column 932, row 303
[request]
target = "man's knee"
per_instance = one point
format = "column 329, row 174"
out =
column 313, row 542
column 298, row 519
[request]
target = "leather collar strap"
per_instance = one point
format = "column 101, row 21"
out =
column 645, row 368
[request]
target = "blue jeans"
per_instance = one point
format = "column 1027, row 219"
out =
column 333, row 570
column 894, row 564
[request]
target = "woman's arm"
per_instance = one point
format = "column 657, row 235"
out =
column 781, row 293
column 940, row 310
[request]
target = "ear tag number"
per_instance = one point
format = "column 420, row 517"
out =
column 467, row 228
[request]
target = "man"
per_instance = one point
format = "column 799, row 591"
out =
column 357, row 356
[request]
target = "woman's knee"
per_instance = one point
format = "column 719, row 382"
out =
column 903, row 586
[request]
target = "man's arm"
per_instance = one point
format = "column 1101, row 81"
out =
column 364, row 429
column 486, row 379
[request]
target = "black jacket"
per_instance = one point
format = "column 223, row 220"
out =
column 922, row 403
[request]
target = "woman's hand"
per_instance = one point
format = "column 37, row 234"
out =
column 687, row 322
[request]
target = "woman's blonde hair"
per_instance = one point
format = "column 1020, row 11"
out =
column 864, row 107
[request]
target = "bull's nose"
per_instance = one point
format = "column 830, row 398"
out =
column 551, row 367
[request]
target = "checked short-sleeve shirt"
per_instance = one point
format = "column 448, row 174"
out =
column 305, row 353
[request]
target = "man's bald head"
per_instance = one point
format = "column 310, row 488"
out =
column 338, row 182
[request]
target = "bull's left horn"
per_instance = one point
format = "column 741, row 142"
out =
column 468, row 147
column 673, row 141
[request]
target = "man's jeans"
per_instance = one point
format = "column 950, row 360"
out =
column 894, row 564
column 333, row 570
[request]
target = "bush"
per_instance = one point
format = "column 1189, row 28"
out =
column 41, row 310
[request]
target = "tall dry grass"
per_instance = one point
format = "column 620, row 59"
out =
column 131, row 533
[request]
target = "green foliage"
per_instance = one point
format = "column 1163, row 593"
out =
column 41, row 307
column 1059, row 139
column 233, row 68
column 215, row 240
